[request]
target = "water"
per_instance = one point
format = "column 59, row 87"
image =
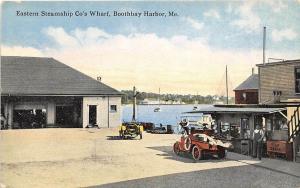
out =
column 169, row 114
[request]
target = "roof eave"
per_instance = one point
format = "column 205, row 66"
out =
column 61, row 95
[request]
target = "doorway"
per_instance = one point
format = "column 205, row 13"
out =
column 245, row 128
column 64, row 116
column 92, row 114
column 29, row 119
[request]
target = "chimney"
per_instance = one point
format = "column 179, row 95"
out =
column 252, row 70
column 99, row 78
column 277, row 94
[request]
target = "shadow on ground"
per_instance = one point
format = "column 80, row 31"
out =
column 242, row 176
column 114, row 138
column 119, row 138
column 183, row 157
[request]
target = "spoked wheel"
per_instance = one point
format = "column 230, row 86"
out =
column 221, row 153
column 197, row 153
column 176, row 148
column 121, row 134
column 187, row 143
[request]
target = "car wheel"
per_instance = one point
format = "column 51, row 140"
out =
column 176, row 148
column 187, row 143
column 123, row 136
column 221, row 153
column 197, row 153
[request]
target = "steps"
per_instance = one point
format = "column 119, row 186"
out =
column 294, row 124
column 294, row 129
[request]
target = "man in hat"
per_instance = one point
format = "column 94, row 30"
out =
column 185, row 125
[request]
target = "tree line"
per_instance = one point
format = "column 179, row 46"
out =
column 127, row 98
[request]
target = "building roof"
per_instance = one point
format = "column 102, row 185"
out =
column 250, row 83
column 222, row 110
column 47, row 76
column 295, row 61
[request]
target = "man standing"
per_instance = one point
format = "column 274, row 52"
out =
column 258, row 136
column 185, row 125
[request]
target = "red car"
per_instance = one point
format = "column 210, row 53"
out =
column 200, row 145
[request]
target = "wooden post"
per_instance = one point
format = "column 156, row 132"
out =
column 226, row 86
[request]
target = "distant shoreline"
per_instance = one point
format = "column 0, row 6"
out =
column 166, row 104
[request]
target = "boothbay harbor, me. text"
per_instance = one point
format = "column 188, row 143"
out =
column 97, row 13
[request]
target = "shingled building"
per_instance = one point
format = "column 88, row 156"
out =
column 41, row 92
column 247, row 91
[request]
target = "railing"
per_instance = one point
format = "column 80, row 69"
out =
column 294, row 125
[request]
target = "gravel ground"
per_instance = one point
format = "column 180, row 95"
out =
column 97, row 158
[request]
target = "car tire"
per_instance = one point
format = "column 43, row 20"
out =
column 123, row 136
column 176, row 148
column 196, row 153
column 221, row 153
column 187, row 143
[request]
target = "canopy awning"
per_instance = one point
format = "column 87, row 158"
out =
column 223, row 110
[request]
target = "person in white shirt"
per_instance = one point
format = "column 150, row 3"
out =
column 185, row 125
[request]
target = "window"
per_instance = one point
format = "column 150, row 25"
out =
column 297, row 80
column 113, row 108
column 244, row 96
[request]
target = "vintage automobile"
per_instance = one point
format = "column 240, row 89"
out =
column 130, row 130
column 200, row 145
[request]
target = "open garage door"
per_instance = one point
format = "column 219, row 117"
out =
column 64, row 116
column 29, row 118
column 68, row 116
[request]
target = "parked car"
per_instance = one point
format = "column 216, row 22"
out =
column 131, row 130
column 201, row 144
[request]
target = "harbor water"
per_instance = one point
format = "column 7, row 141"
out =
column 168, row 115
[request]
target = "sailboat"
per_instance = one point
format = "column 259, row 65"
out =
column 195, row 103
column 157, row 109
column 218, row 100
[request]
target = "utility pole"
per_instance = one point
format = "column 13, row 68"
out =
column 226, row 86
column 264, row 45
column 134, row 104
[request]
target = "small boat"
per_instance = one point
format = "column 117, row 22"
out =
column 167, row 129
column 157, row 109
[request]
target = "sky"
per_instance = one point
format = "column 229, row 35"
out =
column 181, row 53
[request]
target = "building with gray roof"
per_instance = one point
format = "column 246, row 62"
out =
column 41, row 92
column 247, row 91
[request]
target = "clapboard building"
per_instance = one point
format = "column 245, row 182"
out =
column 39, row 92
column 279, row 81
column 271, row 99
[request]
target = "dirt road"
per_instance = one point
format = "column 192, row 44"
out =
column 96, row 157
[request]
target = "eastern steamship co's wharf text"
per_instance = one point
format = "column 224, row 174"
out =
column 98, row 13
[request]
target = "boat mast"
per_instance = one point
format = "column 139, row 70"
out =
column 134, row 103
column 226, row 86
column 158, row 96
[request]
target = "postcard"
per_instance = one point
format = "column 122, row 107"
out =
column 150, row 94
